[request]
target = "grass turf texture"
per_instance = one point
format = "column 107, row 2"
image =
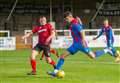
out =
column 78, row 69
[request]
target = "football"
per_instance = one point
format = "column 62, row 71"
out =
column 60, row 74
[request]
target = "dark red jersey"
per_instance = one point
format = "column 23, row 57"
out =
column 43, row 31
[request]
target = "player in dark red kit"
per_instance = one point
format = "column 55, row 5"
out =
column 45, row 34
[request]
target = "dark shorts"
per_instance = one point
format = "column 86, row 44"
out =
column 44, row 48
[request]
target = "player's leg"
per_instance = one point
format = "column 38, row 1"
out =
column 59, row 64
column 52, row 51
column 35, row 52
column 33, row 62
column 86, row 50
column 55, row 52
column 42, row 56
column 71, row 50
column 115, row 53
column 51, row 61
column 46, row 51
column 112, row 51
column 61, row 60
column 99, row 53
column 92, row 54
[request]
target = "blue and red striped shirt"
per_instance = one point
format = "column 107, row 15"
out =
column 76, row 29
column 108, row 33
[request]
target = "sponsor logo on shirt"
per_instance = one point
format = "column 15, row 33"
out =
column 42, row 30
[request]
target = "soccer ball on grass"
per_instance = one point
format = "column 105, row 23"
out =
column 60, row 74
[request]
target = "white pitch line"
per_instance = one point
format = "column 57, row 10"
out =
column 101, row 62
column 72, row 61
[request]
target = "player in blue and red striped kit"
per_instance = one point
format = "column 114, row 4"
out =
column 79, row 43
column 106, row 29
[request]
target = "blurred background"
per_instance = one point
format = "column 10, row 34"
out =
column 27, row 11
column 20, row 15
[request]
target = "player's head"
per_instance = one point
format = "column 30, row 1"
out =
column 42, row 20
column 68, row 16
column 106, row 22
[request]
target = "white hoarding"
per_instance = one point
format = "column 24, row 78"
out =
column 7, row 43
column 65, row 42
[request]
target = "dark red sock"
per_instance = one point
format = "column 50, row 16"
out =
column 33, row 64
column 52, row 63
column 53, row 51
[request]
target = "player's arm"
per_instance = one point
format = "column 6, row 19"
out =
column 27, row 35
column 51, row 36
column 79, row 20
column 30, row 33
column 82, row 34
column 83, row 38
column 111, row 32
column 100, row 33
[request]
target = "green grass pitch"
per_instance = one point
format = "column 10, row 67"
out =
column 78, row 69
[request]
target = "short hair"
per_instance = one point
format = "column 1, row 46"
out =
column 105, row 19
column 67, row 13
column 42, row 16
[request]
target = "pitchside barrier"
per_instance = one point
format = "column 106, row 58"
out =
column 7, row 42
column 64, row 39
